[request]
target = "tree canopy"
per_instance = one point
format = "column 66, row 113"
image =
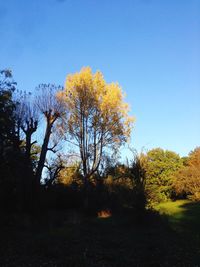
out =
column 187, row 180
column 161, row 166
column 98, row 117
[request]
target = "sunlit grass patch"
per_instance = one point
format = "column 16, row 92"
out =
column 172, row 207
column 183, row 216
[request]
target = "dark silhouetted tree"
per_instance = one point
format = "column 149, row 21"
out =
column 54, row 112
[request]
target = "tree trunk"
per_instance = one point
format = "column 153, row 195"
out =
column 28, row 146
column 43, row 153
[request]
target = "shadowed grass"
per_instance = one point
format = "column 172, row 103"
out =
column 116, row 241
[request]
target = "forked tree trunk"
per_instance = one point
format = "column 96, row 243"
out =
column 43, row 153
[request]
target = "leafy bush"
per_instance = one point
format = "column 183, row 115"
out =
column 187, row 181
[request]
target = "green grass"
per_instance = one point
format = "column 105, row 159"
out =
column 173, row 208
column 183, row 216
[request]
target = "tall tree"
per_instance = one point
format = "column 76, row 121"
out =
column 11, row 156
column 27, row 119
column 53, row 110
column 8, row 135
column 98, row 118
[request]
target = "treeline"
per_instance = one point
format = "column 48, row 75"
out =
column 59, row 149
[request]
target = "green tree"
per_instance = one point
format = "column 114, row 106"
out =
column 161, row 166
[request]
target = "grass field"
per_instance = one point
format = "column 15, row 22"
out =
column 183, row 216
column 168, row 240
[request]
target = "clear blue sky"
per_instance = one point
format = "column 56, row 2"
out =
column 151, row 47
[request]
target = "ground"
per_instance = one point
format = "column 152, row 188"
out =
column 117, row 241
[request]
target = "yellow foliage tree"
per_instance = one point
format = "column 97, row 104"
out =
column 98, row 117
column 70, row 174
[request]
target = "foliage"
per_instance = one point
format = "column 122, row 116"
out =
column 12, row 164
column 7, row 111
column 92, row 116
column 161, row 166
column 138, row 174
column 127, row 181
column 70, row 174
column 187, row 181
column 98, row 117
